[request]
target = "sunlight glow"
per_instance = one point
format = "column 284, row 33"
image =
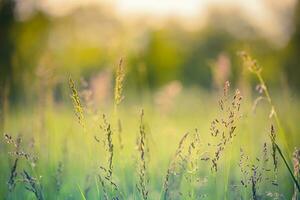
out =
column 270, row 17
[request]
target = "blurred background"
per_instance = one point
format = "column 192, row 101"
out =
column 170, row 44
column 177, row 55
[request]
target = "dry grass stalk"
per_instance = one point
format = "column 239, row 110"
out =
column 118, row 96
column 105, row 176
column 119, row 81
column 109, row 146
column 250, row 63
column 78, row 108
column 223, row 128
column 143, row 181
column 256, row 69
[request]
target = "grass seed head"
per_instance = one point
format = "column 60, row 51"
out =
column 249, row 62
column 77, row 103
column 119, row 81
column 143, row 180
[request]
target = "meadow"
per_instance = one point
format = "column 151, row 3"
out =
column 232, row 143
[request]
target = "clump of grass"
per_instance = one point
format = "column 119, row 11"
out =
column 184, row 164
column 254, row 172
column 32, row 184
column 143, row 180
column 78, row 108
column 182, row 174
column 189, row 151
column 223, row 128
column 16, row 154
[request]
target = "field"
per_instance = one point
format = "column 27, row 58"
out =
column 232, row 143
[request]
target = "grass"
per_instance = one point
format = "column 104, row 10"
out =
column 208, row 146
column 256, row 69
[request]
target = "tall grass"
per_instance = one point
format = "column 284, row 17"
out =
column 214, row 159
column 119, row 96
column 256, row 69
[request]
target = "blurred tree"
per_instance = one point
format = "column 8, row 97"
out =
column 206, row 47
column 31, row 46
column 164, row 55
column 6, row 54
column 292, row 53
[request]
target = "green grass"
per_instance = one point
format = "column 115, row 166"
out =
column 206, row 145
column 62, row 139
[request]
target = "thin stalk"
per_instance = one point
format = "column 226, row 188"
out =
column 82, row 195
column 256, row 69
column 269, row 99
column 227, row 171
column 288, row 167
column 119, row 97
